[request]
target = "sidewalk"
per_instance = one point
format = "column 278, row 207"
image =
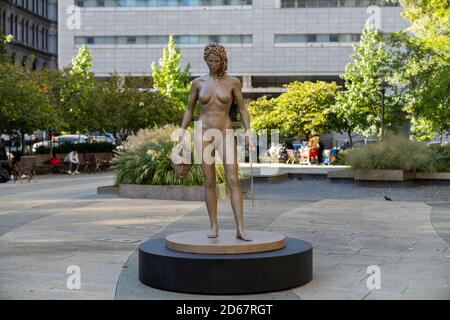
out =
column 47, row 226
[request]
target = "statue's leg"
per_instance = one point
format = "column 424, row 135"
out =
column 230, row 165
column 209, row 174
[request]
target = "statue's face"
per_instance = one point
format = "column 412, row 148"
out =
column 213, row 61
column 182, row 170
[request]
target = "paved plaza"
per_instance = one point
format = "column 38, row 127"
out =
column 61, row 221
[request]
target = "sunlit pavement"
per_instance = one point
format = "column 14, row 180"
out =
column 61, row 221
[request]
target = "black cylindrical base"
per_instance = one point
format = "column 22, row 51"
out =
column 171, row 270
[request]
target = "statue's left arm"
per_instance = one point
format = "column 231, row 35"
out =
column 237, row 92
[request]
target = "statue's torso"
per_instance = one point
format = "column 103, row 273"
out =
column 215, row 97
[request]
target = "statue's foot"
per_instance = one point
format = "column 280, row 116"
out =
column 214, row 233
column 240, row 234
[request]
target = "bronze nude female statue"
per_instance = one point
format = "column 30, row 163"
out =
column 215, row 92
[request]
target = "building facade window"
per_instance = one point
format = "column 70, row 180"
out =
column 3, row 24
column 162, row 40
column 22, row 29
column 42, row 46
column 160, row 3
column 37, row 36
column 334, row 3
column 317, row 38
column 11, row 24
column 46, row 40
column 15, row 33
column 27, row 40
column 32, row 34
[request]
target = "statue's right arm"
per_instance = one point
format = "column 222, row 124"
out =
column 193, row 95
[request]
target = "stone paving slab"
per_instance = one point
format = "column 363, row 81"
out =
column 348, row 236
column 55, row 223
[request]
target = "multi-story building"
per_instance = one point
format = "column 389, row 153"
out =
column 33, row 24
column 269, row 42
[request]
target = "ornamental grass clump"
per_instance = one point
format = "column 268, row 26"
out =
column 395, row 153
column 146, row 159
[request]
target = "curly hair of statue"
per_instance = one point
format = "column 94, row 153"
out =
column 218, row 50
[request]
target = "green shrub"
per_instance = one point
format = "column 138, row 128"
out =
column 340, row 158
column 146, row 159
column 99, row 147
column 441, row 157
column 399, row 154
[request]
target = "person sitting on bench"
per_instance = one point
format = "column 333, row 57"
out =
column 72, row 159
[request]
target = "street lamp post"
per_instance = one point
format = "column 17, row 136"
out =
column 382, row 88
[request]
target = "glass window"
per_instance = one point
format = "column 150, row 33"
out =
column 289, row 4
column 334, row 38
column 80, row 40
column 311, row 38
column 345, row 38
column 110, row 3
column 312, row 3
column 160, row 3
column 290, row 38
column 158, row 39
column 334, row 3
column 105, row 40
column 162, row 40
column 323, row 38
column 90, row 3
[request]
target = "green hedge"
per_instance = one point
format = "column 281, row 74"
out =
column 99, row 147
column 400, row 154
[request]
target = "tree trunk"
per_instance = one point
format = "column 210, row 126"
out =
column 350, row 139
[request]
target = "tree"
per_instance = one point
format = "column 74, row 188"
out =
column 169, row 79
column 4, row 57
column 79, row 95
column 302, row 110
column 359, row 105
column 421, row 129
column 422, row 61
column 24, row 103
column 128, row 107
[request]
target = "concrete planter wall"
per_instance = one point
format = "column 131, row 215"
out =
column 341, row 174
column 433, row 175
column 108, row 190
column 169, row 192
column 383, row 175
column 387, row 175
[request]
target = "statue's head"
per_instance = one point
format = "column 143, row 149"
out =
column 216, row 58
column 182, row 170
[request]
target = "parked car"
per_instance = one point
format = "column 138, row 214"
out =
column 70, row 138
column 100, row 138
column 59, row 140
